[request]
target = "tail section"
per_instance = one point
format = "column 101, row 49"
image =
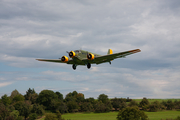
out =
column 110, row 52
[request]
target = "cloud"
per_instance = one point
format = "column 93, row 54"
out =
column 3, row 84
column 33, row 29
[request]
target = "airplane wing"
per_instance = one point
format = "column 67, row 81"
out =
column 56, row 60
column 110, row 57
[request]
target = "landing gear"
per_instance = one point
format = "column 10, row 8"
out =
column 74, row 66
column 88, row 65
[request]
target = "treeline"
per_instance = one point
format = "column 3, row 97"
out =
column 32, row 105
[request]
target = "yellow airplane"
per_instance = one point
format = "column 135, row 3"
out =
column 81, row 57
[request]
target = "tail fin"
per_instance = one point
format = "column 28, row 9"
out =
column 110, row 52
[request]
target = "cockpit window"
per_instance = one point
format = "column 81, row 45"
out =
column 77, row 51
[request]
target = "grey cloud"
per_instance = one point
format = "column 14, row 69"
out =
column 36, row 29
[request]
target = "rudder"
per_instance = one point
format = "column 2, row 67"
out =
column 110, row 52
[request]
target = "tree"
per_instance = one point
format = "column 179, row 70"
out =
column 14, row 93
column 170, row 105
column 58, row 105
column 23, row 108
column 131, row 113
column 59, row 117
column 29, row 92
column 122, row 105
column 18, row 97
column 31, row 95
column 80, row 97
column 144, row 102
column 62, row 108
column 5, row 100
column 4, row 113
column 60, row 96
column 46, row 97
column 33, row 116
column 33, row 98
column 103, row 98
column 153, row 107
column 118, row 103
column 38, row 109
column 15, row 114
column 86, row 107
column 50, row 116
column 133, row 103
column 72, row 106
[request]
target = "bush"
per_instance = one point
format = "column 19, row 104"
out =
column 133, row 103
column 131, row 113
column 154, row 107
column 50, row 116
column 144, row 102
column 32, row 116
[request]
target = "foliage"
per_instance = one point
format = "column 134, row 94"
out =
column 122, row 105
column 23, row 108
column 86, row 107
column 5, row 100
column 20, row 118
column 100, row 107
column 154, row 107
column 72, row 106
column 18, row 97
column 132, row 103
column 60, row 96
column 4, row 113
column 32, row 116
column 15, row 114
column 45, row 98
column 50, row 116
column 14, row 93
column 144, row 102
column 169, row 105
column 59, row 117
column 103, row 98
column 38, row 109
column 131, row 113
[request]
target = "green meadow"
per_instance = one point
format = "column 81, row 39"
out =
column 112, row 115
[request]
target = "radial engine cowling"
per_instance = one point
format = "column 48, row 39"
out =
column 90, row 56
column 72, row 54
column 64, row 59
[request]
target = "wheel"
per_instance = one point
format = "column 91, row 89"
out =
column 74, row 66
column 88, row 65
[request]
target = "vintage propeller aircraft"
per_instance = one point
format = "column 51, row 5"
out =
column 81, row 57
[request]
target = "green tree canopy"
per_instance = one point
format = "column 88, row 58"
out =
column 46, row 97
column 60, row 96
column 18, row 97
column 5, row 100
column 14, row 93
column 29, row 93
column 103, row 98
column 144, row 102
column 131, row 113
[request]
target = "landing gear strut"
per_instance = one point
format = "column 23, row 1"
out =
column 88, row 65
column 74, row 66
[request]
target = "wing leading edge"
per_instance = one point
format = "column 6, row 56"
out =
column 110, row 57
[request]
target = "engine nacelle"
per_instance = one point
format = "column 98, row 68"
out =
column 90, row 56
column 64, row 59
column 72, row 54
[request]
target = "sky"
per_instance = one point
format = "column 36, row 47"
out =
column 47, row 29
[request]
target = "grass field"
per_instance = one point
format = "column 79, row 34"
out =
column 160, row 100
column 112, row 115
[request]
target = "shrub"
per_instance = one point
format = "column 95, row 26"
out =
column 131, row 113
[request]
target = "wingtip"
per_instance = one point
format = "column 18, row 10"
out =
column 39, row 59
